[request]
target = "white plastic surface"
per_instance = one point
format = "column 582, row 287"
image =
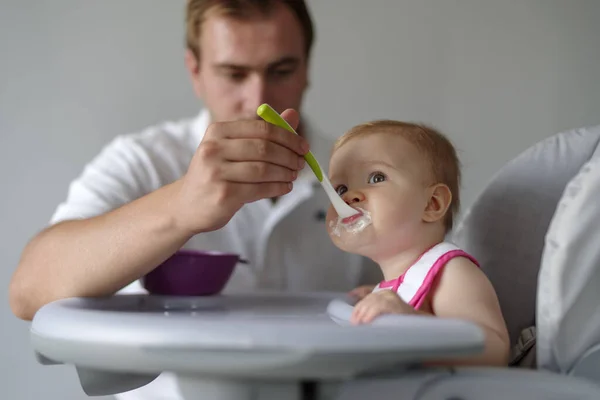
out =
column 263, row 335
column 237, row 346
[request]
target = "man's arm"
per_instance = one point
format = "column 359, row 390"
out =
column 97, row 256
column 236, row 163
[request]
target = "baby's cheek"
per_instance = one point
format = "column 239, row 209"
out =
column 331, row 222
column 330, row 215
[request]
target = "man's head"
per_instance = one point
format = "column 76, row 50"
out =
column 407, row 176
column 242, row 53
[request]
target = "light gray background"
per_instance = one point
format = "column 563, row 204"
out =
column 496, row 76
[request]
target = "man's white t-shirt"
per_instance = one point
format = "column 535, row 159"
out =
column 286, row 243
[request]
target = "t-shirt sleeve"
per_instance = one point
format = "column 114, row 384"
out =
column 122, row 172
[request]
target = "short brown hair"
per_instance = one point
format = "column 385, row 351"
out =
column 196, row 11
column 435, row 146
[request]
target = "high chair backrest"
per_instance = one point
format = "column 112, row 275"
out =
column 506, row 226
column 568, row 298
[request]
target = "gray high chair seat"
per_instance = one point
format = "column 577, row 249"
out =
column 536, row 231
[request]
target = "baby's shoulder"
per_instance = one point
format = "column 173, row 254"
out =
column 462, row 276
column 460, row 267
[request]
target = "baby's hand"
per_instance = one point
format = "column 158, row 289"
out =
column 378, row 303
column 362, row 291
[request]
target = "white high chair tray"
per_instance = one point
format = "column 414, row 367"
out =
column 266, row 335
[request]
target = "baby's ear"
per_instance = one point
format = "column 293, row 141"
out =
column 440, row 198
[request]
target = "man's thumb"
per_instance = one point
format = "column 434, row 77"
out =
column 292, row 117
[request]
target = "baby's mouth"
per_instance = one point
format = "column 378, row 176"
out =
column 353, row 218
column 353, row 224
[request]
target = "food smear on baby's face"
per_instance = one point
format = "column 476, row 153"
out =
column 354, row 224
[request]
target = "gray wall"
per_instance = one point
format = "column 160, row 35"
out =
column 497, row 76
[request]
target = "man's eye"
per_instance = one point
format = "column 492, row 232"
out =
column 235, row 76
column 341, row 190
column 282, row 72
column 376, row 177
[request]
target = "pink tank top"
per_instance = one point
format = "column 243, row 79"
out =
column 414, row 284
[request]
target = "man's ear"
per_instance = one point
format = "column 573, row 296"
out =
column 440, row 198
column 193, row 66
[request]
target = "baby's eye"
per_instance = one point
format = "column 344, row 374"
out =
column 376, row 177
column 341, row 189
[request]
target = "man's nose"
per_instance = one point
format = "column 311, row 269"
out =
column 353, row 196
column 256, row 92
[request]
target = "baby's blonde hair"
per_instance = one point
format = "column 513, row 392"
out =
column 435, row 146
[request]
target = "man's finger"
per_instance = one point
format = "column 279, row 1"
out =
column 251, row 192
column 261, row 150
column 257, row 129
column 256, row 172
column 292, row 117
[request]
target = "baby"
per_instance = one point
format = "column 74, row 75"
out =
column 404, row 179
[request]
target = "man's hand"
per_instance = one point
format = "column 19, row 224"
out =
column 362, row 291
column 378, row 303
column 237, row 162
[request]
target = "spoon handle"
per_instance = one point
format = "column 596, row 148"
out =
column 267, row 113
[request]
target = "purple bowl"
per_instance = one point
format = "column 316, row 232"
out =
column 191, row 273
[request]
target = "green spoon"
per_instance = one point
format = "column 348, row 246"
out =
column 267, row 113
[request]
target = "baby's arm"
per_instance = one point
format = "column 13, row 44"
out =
column 362, row 291
column 463, row 291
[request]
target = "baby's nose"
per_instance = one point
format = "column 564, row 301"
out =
column 353, row 196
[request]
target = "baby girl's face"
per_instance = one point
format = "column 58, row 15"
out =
column 385, row 175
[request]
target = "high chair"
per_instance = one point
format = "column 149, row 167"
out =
column 535, row 230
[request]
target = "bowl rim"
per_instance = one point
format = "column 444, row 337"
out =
column 204, row 253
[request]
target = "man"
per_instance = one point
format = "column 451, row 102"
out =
column 221, row 181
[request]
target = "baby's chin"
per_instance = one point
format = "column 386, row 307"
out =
column 362, row 248
column 353, row 241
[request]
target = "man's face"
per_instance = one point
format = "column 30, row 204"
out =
column 247, row 62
